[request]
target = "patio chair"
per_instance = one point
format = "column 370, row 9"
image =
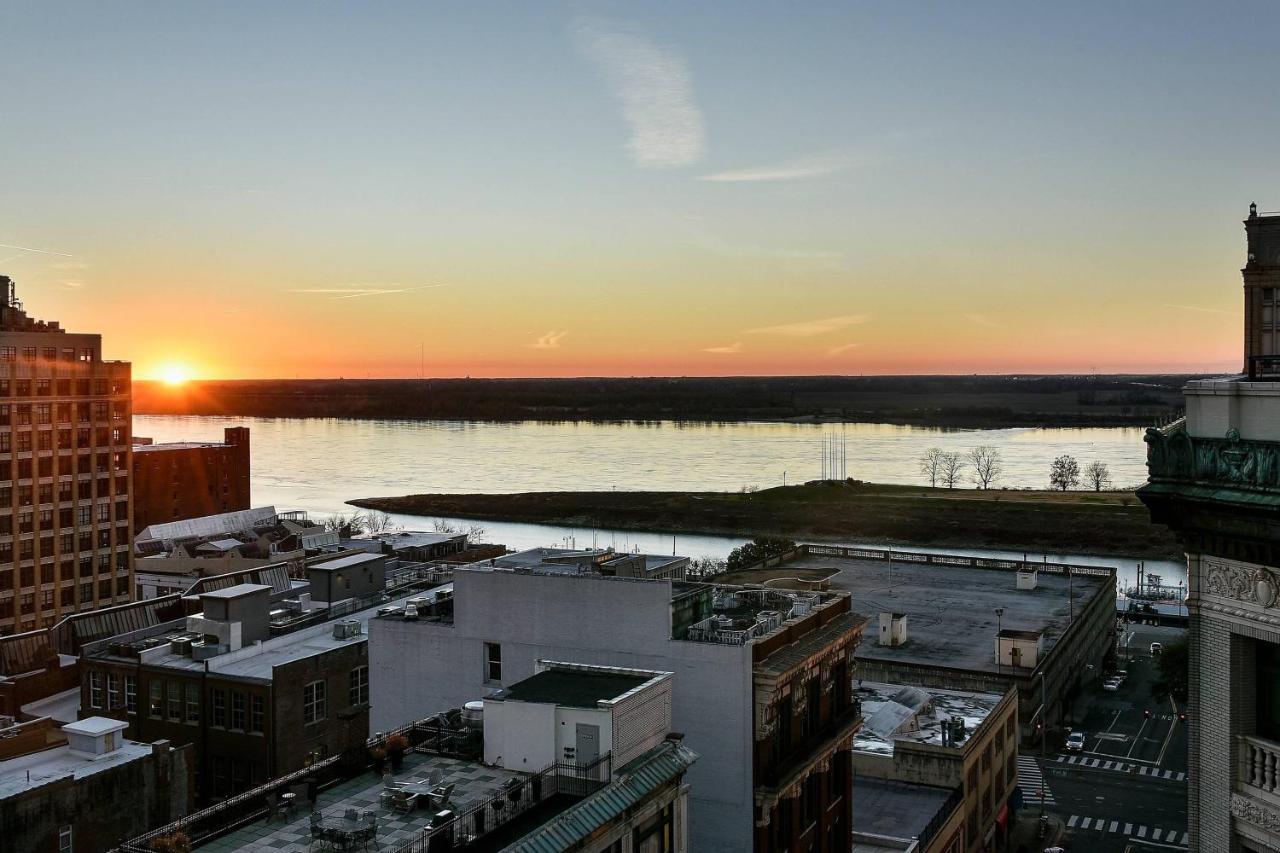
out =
column 351, row 815
column 273, row 806
column 435, row 777
column 440, row 799
column 317, row 832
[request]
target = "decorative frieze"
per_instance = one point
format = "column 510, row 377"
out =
column 1253, row 812
column 1249, row 584
column 1174, row 454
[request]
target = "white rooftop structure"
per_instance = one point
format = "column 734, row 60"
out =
column 894, row 712
column 209, row 525
column 76, row 760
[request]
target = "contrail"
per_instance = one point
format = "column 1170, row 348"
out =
column 38, row 251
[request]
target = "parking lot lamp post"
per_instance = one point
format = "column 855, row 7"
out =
column 999, row 632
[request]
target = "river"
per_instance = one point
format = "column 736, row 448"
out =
column 316, row 464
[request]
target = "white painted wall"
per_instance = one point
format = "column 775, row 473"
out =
column 519, row 735
column 1216, row 405
column 420, row 668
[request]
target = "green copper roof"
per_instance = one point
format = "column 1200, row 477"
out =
column 635, row 781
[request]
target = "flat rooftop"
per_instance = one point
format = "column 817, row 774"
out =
column 474, row 783
column 571, row 689
column 344, row 562
column 40, row 768
column 895, row 809
column 951, row 619
column 178, row 445
column 894, row 712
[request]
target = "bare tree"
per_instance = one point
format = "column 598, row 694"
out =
column 931, row 464
column 987, row 465
column 379, row 522
column 440, row 525
column 475, row 532
column 951, row 469
column 1097, row 474
column 1064, row 473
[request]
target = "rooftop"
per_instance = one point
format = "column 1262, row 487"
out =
column 573, row 689
column 40, row 768
column 473, row 784
column 345, row 562
column 178, row 445
column 238, row 591
column 951, row 609
column 895, row 809
column 893, row 712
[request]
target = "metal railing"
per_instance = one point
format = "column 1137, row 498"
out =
column 1260, row 763
column 1002, row 563
column 940, row 817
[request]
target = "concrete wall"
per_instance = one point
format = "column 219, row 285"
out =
column 1215, row 406
column 519, row 735
column 420, row 668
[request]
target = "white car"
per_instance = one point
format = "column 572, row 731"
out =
column 1112, row 684
column 1075, row 742
column 1157, row 648
column 1120, row 675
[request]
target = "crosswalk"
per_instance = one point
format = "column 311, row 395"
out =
column 1142, row 832
column 1031, row 781
column 1122, row 767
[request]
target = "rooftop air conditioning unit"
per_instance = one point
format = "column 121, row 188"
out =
column 204, row 651
column 180, row 646
column 346, row 629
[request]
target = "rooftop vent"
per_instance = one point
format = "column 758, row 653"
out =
column 346, row 629
column 1028, row 578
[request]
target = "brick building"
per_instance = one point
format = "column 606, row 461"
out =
column 190, row 479
column 65, row 460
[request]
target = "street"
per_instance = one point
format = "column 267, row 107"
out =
column 1126, row 790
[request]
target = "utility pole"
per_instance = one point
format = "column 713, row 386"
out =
column 1044, row 736
column 999, row 635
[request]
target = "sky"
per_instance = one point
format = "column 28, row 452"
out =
column 321, row 189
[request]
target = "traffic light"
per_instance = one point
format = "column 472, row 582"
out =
column 1146, row 713
column 1182, row 716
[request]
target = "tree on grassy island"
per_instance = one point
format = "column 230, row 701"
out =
column 1064, row 473
column 1097, row 474
column 987, row 465
column 757, row 550
column 931, row 464
column 952, row 468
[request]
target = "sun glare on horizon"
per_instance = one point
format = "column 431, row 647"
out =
column 174, row 374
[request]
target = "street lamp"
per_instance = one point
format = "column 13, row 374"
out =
column 999, row 631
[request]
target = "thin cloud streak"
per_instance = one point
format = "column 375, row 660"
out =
column 361, row 292
column 653, row 86
column 37, row 251
column 1203, row 309
column 834, row 351
column 811, row 328
column 732, row 349
column 551, row 340
column 795, row 170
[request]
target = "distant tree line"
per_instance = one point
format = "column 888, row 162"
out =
column 985, row 465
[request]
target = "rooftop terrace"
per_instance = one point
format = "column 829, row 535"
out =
column 572, row 689
column 896, row 810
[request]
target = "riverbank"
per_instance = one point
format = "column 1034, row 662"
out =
column 1076, row 522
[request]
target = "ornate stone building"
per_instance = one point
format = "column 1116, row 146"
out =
column 1215, row 479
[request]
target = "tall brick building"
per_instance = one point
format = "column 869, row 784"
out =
column 65, row 455
column 190, row 479
column 1215, row 479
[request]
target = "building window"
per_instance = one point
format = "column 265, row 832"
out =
column 131, row 694
column 257, row 710
column 657, row 834
column 66, row 840
column 220, row 708
column 157, row 699
column 175, row 701
column 237, row 711
column 359, row 692
column 492, row 661
column 113, row 690
column 193, row 703
column 1268, row 663
column 313, row 702
column 95, row 689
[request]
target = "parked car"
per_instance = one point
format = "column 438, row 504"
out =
column 1075, row 742
column 1121, row 674
column 1112, row 684
column 1156, row 648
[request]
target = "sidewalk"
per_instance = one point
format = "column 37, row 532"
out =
column 1025, row 835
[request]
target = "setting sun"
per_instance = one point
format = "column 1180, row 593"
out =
column 175, row 374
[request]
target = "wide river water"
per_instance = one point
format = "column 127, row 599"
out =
column 317, row 464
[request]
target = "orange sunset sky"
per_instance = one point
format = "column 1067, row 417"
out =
column 252, row 190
